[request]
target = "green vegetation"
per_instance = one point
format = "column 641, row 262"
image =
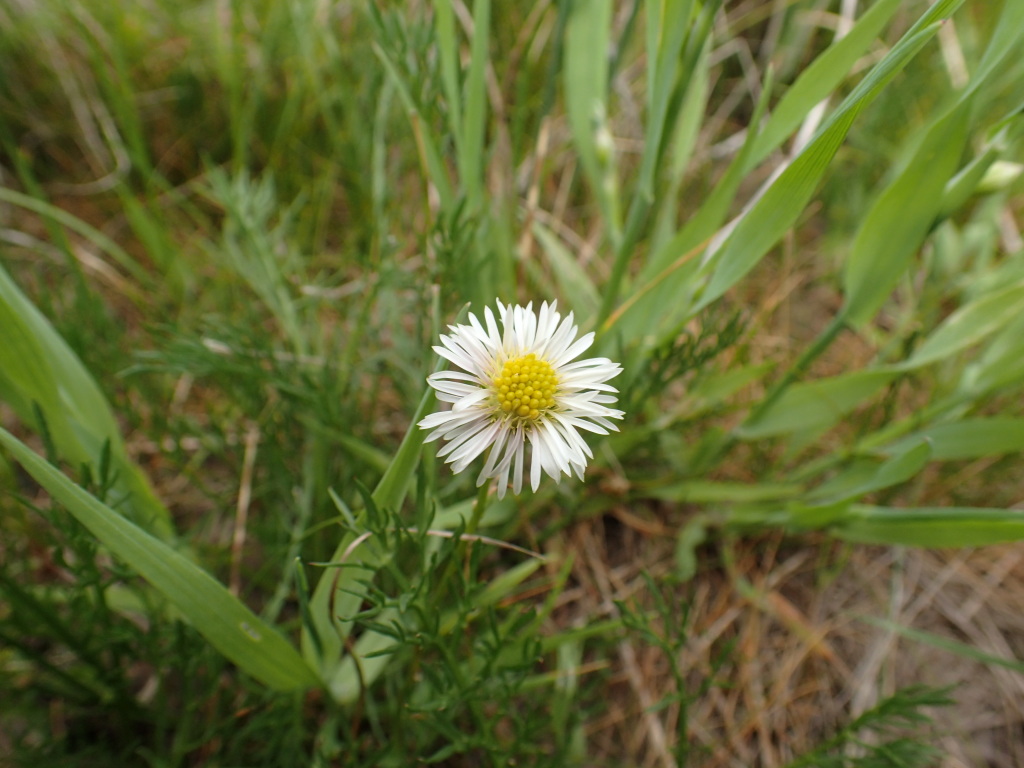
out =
column 230, row 234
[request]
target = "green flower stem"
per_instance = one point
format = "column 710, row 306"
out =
column 478, row 508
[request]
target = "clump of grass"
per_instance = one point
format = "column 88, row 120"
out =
column 230, row 236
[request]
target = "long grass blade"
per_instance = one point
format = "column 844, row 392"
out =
column 226, row 623
column 41, row 375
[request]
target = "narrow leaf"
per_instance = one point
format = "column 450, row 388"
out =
column 573, row 281
column 222, row 619
column 780, row 206
column 587, row 36
column 821, row 78
column 948, row 644
column 901, row 216
column 969, row 325
column 931, row 526
column 471, row 162
column 341, row 589
column 857, row 482
column 816, row 404
column 970, row 438
column 41, row 374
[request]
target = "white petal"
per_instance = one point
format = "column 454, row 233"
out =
column 575, row 423
column 457, row 389
column 460, row 435
column 575, row 350
column 471, row 399
column 578, row 450
column 492, row 457
column 520, row 455
column 494, row 338
column 451, row 376
column 560, row 339
column 446, row 420
column 552, row 453
column 474, row 447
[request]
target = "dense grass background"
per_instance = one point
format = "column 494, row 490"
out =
column 230, row 233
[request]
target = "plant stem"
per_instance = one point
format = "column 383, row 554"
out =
column 478, row 508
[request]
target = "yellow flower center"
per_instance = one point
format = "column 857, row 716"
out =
column 526, row 387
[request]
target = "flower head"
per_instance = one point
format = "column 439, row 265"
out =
column 519, row 386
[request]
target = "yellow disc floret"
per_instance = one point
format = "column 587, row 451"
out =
column 525, row 387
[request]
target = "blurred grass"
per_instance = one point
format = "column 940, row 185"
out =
column 248, row 221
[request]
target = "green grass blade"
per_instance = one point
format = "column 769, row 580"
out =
column 819, row 404
column 855, row 482
column 475, row 116
column 366, row 662
column 969, row 325
column 901, row 217
column 573, row 281
column 38, row 370
column 1005, row 43
column 820, row 79
column 448, row 50
column 675, row 39
column 899, row 469
column 90, row 233
column 715, row 208
column 710, row 492
column 931, row 526
column 374, row 650
column 968, row 180
column 1000, row 364
column 667, row 27
column 225, row 622
column 947, row 644
column 815, row 84
column 815, row 405
column 393, row 486
column 682, row 144
column 431, row 156
column 587, row 39
column 969, row 439
column 785, row 200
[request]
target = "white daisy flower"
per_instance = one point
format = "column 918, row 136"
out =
column 519, row 386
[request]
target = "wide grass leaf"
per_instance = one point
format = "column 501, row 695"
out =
column 970, row 438
column 969, row 325
column 906, row 210
column 902, row 466
column 222, row 619
column 816, row 405
column 900, row 218
column 815, row 84
column 822, row 77
column 931, row 526
column 780, row 206
column 587, row 38
column 41, row 376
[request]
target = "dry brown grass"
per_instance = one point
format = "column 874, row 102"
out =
column 784, row 626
